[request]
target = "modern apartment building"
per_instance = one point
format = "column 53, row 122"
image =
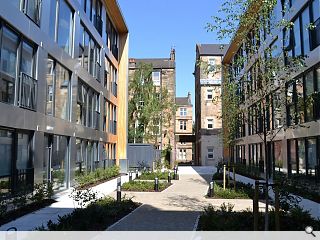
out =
column 63, row 90
column 163, row 76
column 208, row 124
column 296, row 148
column 184, row 130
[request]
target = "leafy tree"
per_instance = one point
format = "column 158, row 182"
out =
column 150, row 108
column 259, row 97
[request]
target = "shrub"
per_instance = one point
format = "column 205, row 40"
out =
column 143, row 186
column 225, row 219
column 97, row 176
column 96, row 217
column 153, row 175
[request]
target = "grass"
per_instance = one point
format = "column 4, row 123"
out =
column 230, row 193
column 96, row 177
column 143, row 186
column 225, row 219
column 243, row 191
column 153, row 175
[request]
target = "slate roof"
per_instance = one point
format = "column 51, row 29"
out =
column 212, row 49
column 182, row 101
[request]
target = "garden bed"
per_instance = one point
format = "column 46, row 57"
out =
column 89, row 180
column 12, row 215
column 97, row 216
column 153, row 175
column 225, row 219
column 143, row 186
column 243, row 191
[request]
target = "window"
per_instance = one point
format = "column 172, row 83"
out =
column 312, row 156
column 156, row 78
column 58, row 90
column 309, row 90
column 182, row 154
column 183, row 112
column 61, row 24
column 297, row 38
column 16, row 167
column 9, row 49
column 112, row 40
column 305, row 22
column 89, row 53
column 209, row 94
column 210, row 153
column 14, row 72
column 210, row 123
column 183, row 125
column 315, row 33
column 30, row 7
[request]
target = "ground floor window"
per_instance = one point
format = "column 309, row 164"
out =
column 182, row 154
column 16, row 165
column 303, row 156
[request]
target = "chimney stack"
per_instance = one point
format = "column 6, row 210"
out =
column 173, row 54
column 189, row 98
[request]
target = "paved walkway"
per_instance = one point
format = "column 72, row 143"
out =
column 178, row 207
column 63, row 205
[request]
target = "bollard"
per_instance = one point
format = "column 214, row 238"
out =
column 130, row 176
column 169, row 177
column 234, row 178
column 211, row 189
column 256, row 206
column 277, row 208
column 119, row 194
column 137, row 173
column 224, row 177
column 156, row 184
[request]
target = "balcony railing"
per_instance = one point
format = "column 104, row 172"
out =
column 27, row 92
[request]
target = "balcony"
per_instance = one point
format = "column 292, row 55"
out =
column 98, row 23
column 27, row 92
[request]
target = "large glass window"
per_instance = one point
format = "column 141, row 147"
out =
column 292, row 153
column 316, row 22
column 305, row 30
column 33, row 10
column 309, row 90
column 58, row 90
column 61, row 24
column 302, row 156
column 6, row 141
column 62, row 91
column 312, row 156
column 8, row 62
column 59, row 162
column 297, row 37
column 65, row 24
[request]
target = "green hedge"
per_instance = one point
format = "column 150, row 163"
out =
column 153, row 175
column 96, row 217
column 225, row 219
column 143, row 186
column 99, row 175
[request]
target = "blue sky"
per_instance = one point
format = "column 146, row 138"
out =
column 157, row 25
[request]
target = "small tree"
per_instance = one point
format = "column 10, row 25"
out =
column 150, row 108
column 258, row 98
